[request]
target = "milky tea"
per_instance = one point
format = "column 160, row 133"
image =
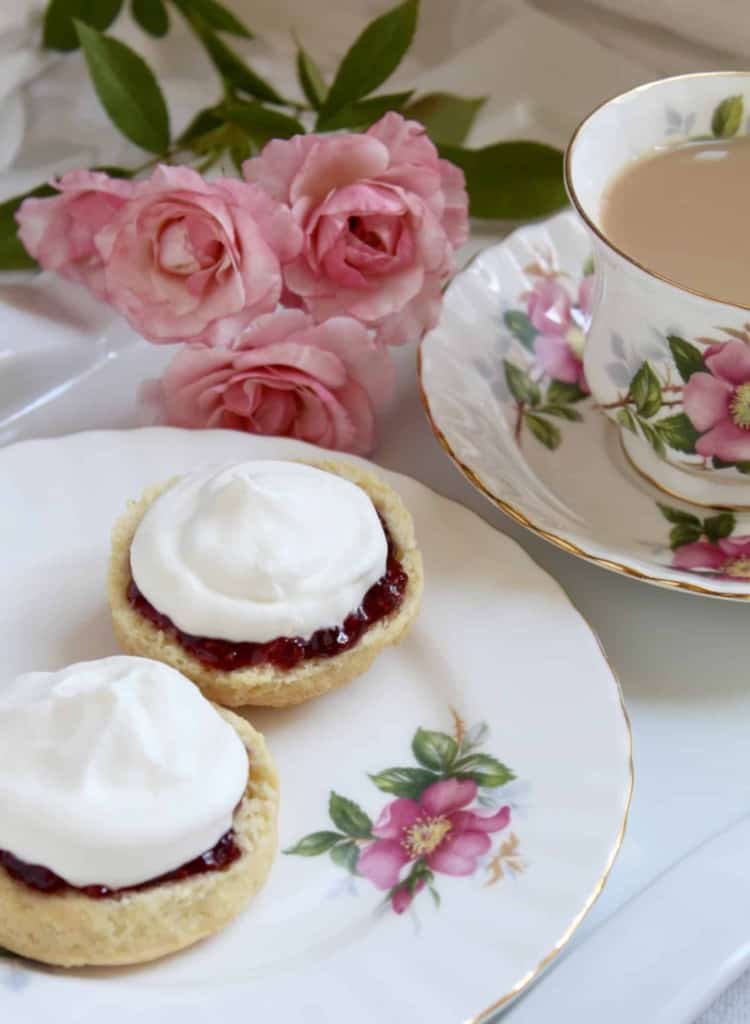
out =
column 684, row 212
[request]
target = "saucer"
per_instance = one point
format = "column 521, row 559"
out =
column 525, row 745
column 509, row 403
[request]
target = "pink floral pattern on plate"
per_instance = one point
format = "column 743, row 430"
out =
column 433, row 825
column 708, row 545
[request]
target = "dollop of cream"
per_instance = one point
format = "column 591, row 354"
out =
column 259, row 550
column 113, row 772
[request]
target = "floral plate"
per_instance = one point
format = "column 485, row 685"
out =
column 446, row 820
column 503, row 385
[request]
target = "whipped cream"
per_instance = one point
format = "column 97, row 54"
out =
column 114, row 772
column 258, row 551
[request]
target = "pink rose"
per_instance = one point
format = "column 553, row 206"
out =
column 728, row 557
column 437, row 828
column 381, row 217
column 193, row 260
column 718, row 402
column 285, row 376
column 59, row 231
column 558, row 346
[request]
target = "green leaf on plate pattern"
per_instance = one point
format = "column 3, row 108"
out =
column 588, row 267
column 315, row 844
column 678, row 516
column 408, row 782
column 652, row 436
column 544, row 431
column 346, row 855
column 563, row 412
column 484, row 769
column 727, row 117
column 521, row 386
column 349, row 817
column 677, row 432
column 561, row 392
column 645, row 391
column 719, row 526
column 684, row 533
column 626, row 419
column 520, row 326
column 436, row 750
column 687, row 358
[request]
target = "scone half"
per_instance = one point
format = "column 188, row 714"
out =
column 70, row 929
column 267, row 684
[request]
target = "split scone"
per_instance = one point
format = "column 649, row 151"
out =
column 266, row 582
column 135, row 817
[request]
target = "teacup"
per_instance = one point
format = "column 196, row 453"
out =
column 649, row 335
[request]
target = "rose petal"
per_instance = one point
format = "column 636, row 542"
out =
column 395, row 817
column 706, row 400
column 727, row 441
column 730, row 361
column 699, row 555
column 448, row 795
column 381, row 862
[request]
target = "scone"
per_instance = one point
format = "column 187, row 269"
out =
column 134, row 820
column 268, row 582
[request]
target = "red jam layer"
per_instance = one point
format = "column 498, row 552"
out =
column 218, row 858
column 285, row 652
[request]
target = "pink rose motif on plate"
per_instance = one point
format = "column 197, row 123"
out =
column 718, row 402
column 436, row 828
column 432, row 827
column 285, row 376
column 59, row 231
column 728, row 557
column 187, row 259
column 381, row 216
column 558, row 346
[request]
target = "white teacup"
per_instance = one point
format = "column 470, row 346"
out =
column 670, row 333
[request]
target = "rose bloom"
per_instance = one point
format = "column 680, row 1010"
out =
column 381, row 216
column 192, row 260
column 728, row 557
column 559, row 345
column 718, row 402
column 285, row 376
column 59, row 231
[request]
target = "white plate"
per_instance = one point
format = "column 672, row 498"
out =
column 497, row 641
column 562, row 473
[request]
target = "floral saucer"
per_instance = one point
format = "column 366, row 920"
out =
column 503, row 385
column 446, row 821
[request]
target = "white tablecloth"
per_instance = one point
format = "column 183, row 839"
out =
column 543, row 65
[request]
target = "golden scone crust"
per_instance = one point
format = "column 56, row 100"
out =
column 72, row 930
column 266, row 684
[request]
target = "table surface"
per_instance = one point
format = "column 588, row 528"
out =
column 680, row 658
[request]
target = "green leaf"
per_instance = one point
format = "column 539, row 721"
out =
column 349, row 817
column 588, row 267
column 373, row 56
column 678, row 516
column 719, row 526
column 152, row 16
column 59, row 32
column 742, row 467
column 474, row 737
column 678, row 432
column 563, row 412
column 560, row 392
column 544, row 431
column 240, row 149
column 346, row 855
column 13, row 255
column 521, row 386
column 204, row 122
column 261, row 123
column 626, row 419
column 447, row 118
column 235, row 72
column 127, row 89
column 219, row 17
column 435, row 895
column 684, row 533
column 727, row 117
column 310, row 79
column 484, row 770
column 315, row 844
column 645, row 391
column 409, row 782
column 520, row 326
column 652, row 437
column 687, row 358
column 362, row 114
column 435, row 750
column 511, row 180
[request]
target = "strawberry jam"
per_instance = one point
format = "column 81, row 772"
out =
column 285, row 652
column 218, row 858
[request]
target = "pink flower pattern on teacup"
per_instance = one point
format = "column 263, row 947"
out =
column 718, row 402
